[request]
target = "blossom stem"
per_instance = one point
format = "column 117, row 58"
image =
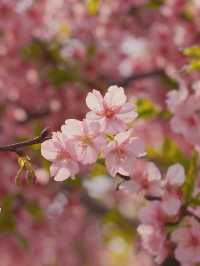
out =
column 16, row 147
column 139, row 76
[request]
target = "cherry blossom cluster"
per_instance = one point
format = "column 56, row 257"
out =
column 168, row 227
column 185, row 106
column 105, row 133
column 60, row 38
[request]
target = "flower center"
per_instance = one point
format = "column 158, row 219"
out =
column 63, row 155
column 120, row 153
column 86, row 140
column 194, row 241
column 109, row 113
column 191, row 121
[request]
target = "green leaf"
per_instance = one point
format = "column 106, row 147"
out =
column 168, row 154
column 194, row 54
column 59, row 76
column 33, row 50
column 189, row 185
column 34, row 210
column 93, row 7
column 195, row 202
column 146, row 108
column 169, row 82
column 187, row 15
column 25, row 164
column 7, row 219
column 22, row 240
column 98, row 169
column 155, row 3
column 194, row 65
column 192, row 51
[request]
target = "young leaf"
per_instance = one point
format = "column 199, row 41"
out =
column 189, row 184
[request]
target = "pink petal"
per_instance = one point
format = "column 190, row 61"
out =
column 127, row 113
column 181, row 235
column 153, row 172
column 171, row 205
column 136, row 146
column 48, row 150
column 94, row 101
column 175, row 175
column 87, row 154
column 115, row 97
column 112, row 163
column 62, row 174
column 72, row 128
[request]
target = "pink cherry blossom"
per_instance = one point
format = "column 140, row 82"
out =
column 172, row 199
column 186, row 115
column 187, row 239
column 122, row 153
column 152, row 214
column 145, row 177
column 112, row 112
column 87, row 138
column 60, row 151
column 154, row 241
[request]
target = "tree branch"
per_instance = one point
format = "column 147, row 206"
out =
column 135, row 77
column 16, row 147
column 189, row 213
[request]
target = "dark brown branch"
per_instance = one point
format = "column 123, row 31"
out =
column 139, row 76
column 184, row 211
column 32, row 115
column 189, row 213
column 16, row 147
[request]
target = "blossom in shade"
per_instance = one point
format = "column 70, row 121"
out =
column 86, row 137
column 152, row 214
column 154, row 242
column 145, row 177
column 185, row 109
column 60, row 151
column 112, row 111
column 122, row 153
column 172, row 197
column 187, row 239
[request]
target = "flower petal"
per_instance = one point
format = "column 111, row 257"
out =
column 115, row 97
column 175, row 175
column 94, row 101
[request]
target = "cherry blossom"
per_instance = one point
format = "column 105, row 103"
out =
column 86, row 137
column 154, row 241
column 187, row 239
column 60, row 151
column 171, row 199
column 121, row 153
column 112, row 112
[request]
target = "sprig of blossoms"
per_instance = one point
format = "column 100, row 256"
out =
column 105, row 133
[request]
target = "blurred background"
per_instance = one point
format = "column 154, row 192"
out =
column 52, row 52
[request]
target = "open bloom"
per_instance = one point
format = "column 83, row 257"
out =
column 60, row 151
column 145, row 177
column 188, row 243
column 154, row 241
column 186, row 119
column 152, row 214
column 172, row 198
column 86, row 138
column 112, row 111
column 122, row 153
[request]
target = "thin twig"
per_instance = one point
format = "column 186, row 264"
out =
column 189, row 213
column 16, row 147
column 139, row 76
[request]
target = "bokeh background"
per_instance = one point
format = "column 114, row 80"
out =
column 52, row 52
